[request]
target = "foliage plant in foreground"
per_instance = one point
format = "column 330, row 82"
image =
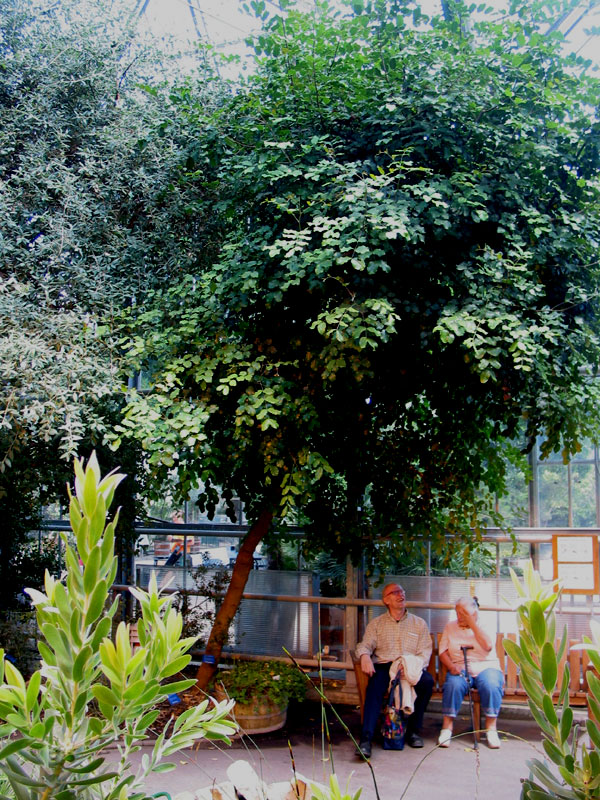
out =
column 576, row 772
column 91, row 690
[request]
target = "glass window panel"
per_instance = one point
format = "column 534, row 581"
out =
column 514, row 506
column 583, row 481
column 553, row 496
column 512, row 557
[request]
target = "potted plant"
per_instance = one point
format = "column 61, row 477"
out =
column 262, row 691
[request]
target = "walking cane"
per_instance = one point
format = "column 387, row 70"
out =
column 464, row 648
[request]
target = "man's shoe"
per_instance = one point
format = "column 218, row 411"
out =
column 414, row 740
column 365, row 749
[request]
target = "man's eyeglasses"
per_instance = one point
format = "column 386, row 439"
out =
column 395, row 591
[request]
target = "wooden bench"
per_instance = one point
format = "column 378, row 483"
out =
column 513, row 691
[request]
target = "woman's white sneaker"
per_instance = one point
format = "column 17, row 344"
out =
column 444, row 737
column 493, row 739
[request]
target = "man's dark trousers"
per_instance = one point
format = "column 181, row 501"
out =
column 376, row 691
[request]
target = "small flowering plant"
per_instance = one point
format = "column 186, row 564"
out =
column 276, row 681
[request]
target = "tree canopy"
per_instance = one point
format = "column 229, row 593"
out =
column 405, row 267
column 400, row 272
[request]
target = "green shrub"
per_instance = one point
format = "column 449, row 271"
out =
column 51, row 746
column 576, row 772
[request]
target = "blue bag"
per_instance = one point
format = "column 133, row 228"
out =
column 394, row 726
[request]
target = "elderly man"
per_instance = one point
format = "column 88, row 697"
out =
column 388, row 637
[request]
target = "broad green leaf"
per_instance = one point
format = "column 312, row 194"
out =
column 593, row 683
column 564, row 687
column 33, row 689
column 90, row 497
column 566, row 723
column 594, row 706
column 102, row 631
column 104, row 695
column 13, row 677
column 106, row 776
column 146, row 721
column 176, row 686
column 89, row 767
column 549, row 667
column 593, row 732
column 532, row 688
column 91, row 571
column 175, row 666
column 14, row 747
column 135, row 690
column 80, row 663
column 96, row 602
column 549, row 710
column 541, row 719
column 513, row 650
column 538, row 623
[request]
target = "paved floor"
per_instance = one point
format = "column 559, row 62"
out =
column 458, row 773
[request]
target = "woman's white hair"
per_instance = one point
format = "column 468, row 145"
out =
column 467, row 602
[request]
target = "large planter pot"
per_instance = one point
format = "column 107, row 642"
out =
column 260, row 716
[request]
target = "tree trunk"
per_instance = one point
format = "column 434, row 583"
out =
column 231, row 602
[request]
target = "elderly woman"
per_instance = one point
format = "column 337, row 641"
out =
column 484, row 670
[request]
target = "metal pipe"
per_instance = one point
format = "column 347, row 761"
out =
column 347, row 601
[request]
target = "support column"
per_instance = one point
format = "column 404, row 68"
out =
column 351, row 618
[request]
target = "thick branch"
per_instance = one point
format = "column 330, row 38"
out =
column 231, row 601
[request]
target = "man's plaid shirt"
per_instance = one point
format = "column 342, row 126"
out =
column 386, row 639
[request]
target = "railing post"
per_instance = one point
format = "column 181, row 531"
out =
column 351, row 619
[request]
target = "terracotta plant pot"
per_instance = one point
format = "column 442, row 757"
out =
column 260, row 716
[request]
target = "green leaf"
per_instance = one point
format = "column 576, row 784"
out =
column 538, row 623
column 175, row 666
column 166, row 766
column 566, row 723
column 101, row 632
column 14, row 747
column 593, row 732
column 33, row 689
column 513, row 651
column 106, row 776
column 176, row 686
column 89, row 498
column 594, row 706
column 532, row 688
column 92, row 568
column 104, row 695
column 89, row 767
column 549, row 667
column 80, row 662
column 541, row 720
column 594, row 683
column 549, row 710
column 96, row 603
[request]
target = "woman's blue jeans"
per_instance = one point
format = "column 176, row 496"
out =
column 489, row 684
